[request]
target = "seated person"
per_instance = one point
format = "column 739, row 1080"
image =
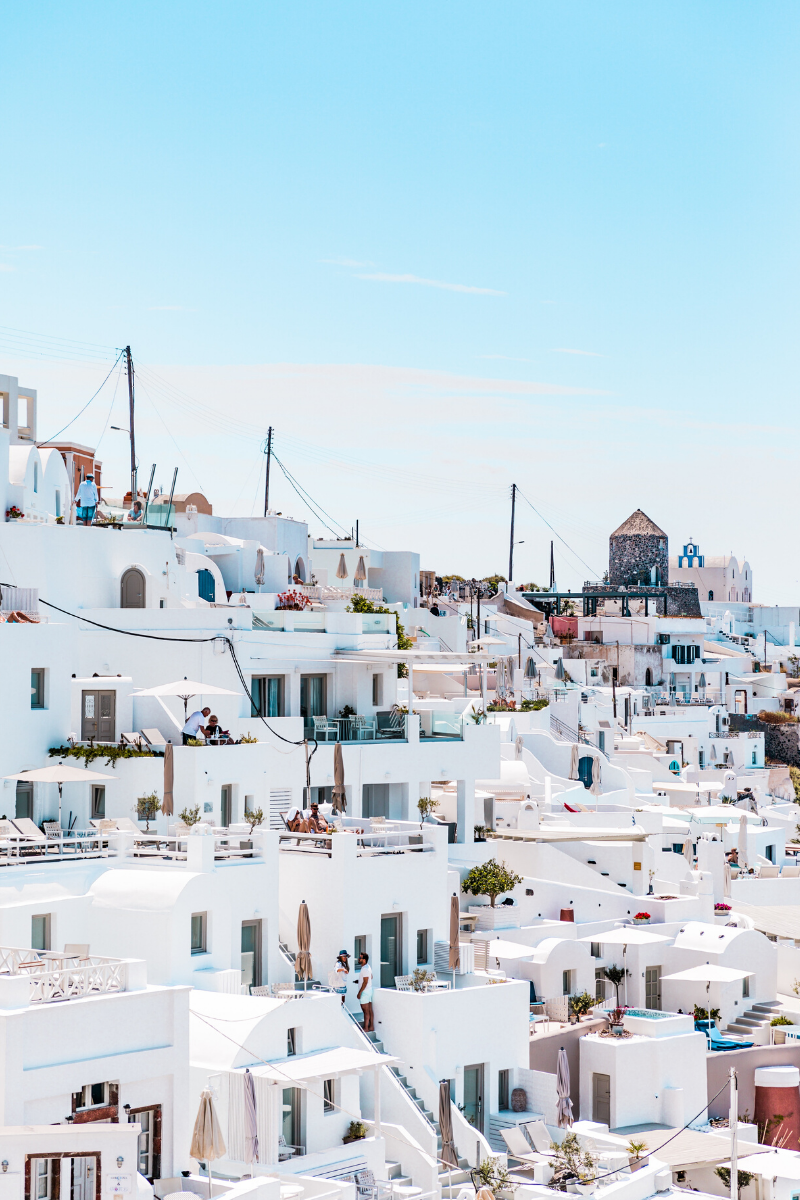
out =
column 296, row 822
column 136, row 513
column 214, row 730
column 316, row 821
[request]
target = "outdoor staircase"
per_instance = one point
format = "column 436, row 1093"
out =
column 450, row 1181
column 755, row 1019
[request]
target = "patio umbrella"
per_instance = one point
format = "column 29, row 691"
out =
column 184, row 689
column 595, row 789
column 169, row 777
column 742, row 855
column 573, row 762
column 339, row 796
column 361, row 571
column 709, row 973
column 726, row 881
column 59, row 774
column 341, row 570
column 560, row 669
column 454, row 959
column 530, row 669
column 303, row 963
column 448, row 1153
column 562, row 1089
column 207, row 1144
column 519, row 746
column 250, row 1122
column 688, row 853
column 260, row 576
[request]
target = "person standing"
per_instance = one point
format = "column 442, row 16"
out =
column 194, row 724
column 338, row 976
column 86, row 499
column 365, row 991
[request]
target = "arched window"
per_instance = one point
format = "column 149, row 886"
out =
column 300, row 569
column 132, row 593
column 711, row 595
column 648, row 678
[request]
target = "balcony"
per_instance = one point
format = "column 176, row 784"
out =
column 48, row 977
column 380, row 838
column 386, row 726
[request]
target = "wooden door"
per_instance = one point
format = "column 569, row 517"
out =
column 132, row 594
column 98, row 716
column 601, row 1098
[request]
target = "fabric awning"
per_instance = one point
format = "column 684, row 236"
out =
column 577, row 834
column 629, row 936
column 322, row 1064
column 782, row 920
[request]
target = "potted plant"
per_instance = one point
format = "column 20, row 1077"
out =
column 426, row 808
column 779, row 1036
column 493, row 1175
column 190, row 816
column 639, row 1154
column 572, row 1166
column 14, row 513
column 616, row 976
column 582, row 1004
column 356, row 1131
column 479, row 833
column 642, row 918
column 146, row 809
column 490, row 879
column 743, row 1178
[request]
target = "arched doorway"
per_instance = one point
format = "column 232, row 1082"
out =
column 132, row 593
column 648, row 678
column 711, row 595
column 300, row 570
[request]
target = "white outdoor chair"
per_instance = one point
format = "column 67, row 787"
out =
column 322, row 727
column 518, row 1146
column 768, row 872
column 790, row 872
column 540, row 1138
column 404, row 983
column 133, row 739
column 362, row 728
column 154, row 737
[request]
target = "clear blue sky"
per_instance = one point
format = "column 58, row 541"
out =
column 561, row 236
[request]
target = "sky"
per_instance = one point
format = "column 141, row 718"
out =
column 440, row 249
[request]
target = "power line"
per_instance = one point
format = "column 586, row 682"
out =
column 86, row 405
column 555, row 531
column 306, row 501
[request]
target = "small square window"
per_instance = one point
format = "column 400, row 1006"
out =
column 40, row 932
column 199, row 933
column 37, row 687
column 328, row 1102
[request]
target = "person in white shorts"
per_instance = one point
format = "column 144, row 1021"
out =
column 365, row 991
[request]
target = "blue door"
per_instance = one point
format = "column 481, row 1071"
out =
column 585, row 770
column 205, row 585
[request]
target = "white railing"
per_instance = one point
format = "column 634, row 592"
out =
column 323, row 592
column 54, row 977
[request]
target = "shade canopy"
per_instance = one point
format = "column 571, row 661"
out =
column 322, row 1064
column 629, row 936
column 498, row 948
column 59, row 774
column 709, row 973
column 185, row 689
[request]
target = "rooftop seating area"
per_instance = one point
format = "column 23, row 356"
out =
column 65, row 975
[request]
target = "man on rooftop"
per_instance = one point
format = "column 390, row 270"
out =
column 86, row 499
column 316, row 821
column 194, row 724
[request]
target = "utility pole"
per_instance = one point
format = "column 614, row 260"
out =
column 552, row 569
column 129, row 364
column 356, row 534
column 511, row 543
column 268, row 452
column 733, row 1122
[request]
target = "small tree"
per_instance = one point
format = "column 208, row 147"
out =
column 490, row 879
column 146, row 809
column 254, row 817
column 582, row 1004
column 615, row 975
column 190, row 816
column 426, row 806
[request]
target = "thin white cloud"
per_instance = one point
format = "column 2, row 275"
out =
column 7, row 267
column 346, row 262
column 170, row 308
column 583, row 353
column 504, row 358
column 21, row 247
column 434, row 283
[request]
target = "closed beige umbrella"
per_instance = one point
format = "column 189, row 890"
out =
column 573, row 762
column 303, row 963
column 448, row 1153
column 169, row 779
column 207, row 1144
column 454, row 959
column 361, row 571
column 339, row 797
column 595, row 789
column 341, row 570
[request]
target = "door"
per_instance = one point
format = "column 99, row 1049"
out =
column 740, row 702
column 149, row 1148
column 375, row 800
column 83, row 1178
column 291, row 1116
column 652, row 988
column 391, row 957
column 98, row 716
column 312, row 697
column 251, row 954
column 225, row 805
column 585, row 770
column 132, row 589
column 99, row 802
column 473, row 1096
column 601, row 1098
column 205, row 585
column 24, row 801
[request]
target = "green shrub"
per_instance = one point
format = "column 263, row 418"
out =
column 781, row 1021
column 777, row 718
column 490, row 879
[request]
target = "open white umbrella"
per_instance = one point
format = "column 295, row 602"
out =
column 184, row 689
column 709, row 973
column 59, row 774
column 562, row 1090
column 207, row 1144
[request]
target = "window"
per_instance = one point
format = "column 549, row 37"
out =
column 359, row 946
column 422, row 946
column 746, row 986
column 701, row 758
column 40, row 932
column 99, row 802
column 291, row 1041
column 42, row 1181
column 601, row 741
column 145, row 1150
column 312, row 697
column 711, row 595
column 648, row 677
column 503, row 1091
column 377, row 690
column 566, row 983
column 251, row 955
column 58, row 503
column 599, row 983
column 328, row 1103
column 595, row 950
column 199, row 933
column 37, row 687
column 593, row 671
column 662, row 639
column 769, row 852
column 24, row 798
column 36, row 477
column 267, row 693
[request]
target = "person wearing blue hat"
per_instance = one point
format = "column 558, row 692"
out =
column 338, row 976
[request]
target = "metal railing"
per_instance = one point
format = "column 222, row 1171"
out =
column 567, row 733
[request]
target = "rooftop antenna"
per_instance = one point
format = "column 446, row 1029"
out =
column 129, row 365
column 267, row 448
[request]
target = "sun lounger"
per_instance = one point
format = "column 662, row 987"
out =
column 519, row 1148
column 132, row 739
column 540, row 1138
column 153, row 737
column 790, row 872
column 126, row 825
